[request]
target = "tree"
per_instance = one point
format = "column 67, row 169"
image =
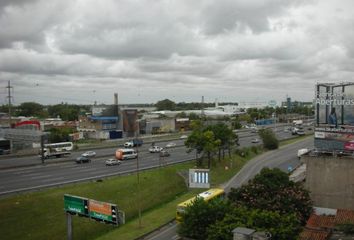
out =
column 269, row 139
column 59, row 134
column 165, row 104
column 65, row 111
column 200, row 215
column 29, row 109
column 272, row 190
column 226, row 136
column 282, row 227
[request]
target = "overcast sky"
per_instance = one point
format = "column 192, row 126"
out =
column 81, row 51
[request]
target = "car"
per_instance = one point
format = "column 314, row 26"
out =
column 170, row 145
column 133, row 143
column 255, row 140
column 155, row 149
column 89, row 154
column 82, row 159
column 112, row 162
column 183, row 137
column 129, row 144
column 164, row 153
column 300, row 132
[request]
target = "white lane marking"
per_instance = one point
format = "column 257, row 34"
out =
column 42, row 176
column 53, row 179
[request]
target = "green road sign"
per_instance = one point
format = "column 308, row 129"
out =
column 100, row 211
column 74, row 204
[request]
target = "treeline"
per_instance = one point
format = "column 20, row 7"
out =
column 67, row 112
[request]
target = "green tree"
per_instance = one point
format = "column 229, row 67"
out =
column 200, row 215
column 165, row 104
column 65, row 111
column 272, row 190
column 269, row 139
column 59, row 134
column 29, row 109
column 226, row 136
column 281, row 227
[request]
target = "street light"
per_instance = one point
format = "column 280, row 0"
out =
column 138, row 175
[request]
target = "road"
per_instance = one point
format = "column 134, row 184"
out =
column 19, row 179
column 282, row 158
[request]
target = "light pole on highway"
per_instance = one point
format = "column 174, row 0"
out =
column 137, row 174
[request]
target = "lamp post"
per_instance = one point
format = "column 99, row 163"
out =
column 138, row 175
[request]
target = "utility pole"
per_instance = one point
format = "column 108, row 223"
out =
column 9, row 97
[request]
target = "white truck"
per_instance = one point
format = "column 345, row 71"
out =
column 297, row 122
column 302, row 151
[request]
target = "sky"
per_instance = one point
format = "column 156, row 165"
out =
column 82, row 51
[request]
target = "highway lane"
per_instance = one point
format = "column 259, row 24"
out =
column 31, row 178
column 245, row 137
column 282, row 158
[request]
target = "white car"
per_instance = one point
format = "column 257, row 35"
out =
column 255, row 140
column 155, row 149
column 89, row 154
column 129, row 144
column 112, row 161
column 183, row 137
column 170, row 145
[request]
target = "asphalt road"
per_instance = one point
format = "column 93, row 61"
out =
column 282, row 158
column 16, row 179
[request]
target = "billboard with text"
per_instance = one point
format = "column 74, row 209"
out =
column 334, row 130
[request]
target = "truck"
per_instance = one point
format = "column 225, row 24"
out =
column 297, row 122
column 302, row 151
column 49, row 152
column 133, row 143
column 56, row 149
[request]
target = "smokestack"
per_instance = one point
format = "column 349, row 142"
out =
column 116, row 99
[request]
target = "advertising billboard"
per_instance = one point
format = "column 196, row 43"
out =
column 334, row 129
column 199, row 178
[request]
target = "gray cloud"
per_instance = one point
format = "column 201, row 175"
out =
column 148, row 50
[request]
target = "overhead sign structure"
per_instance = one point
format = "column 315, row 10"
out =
column 100, row 211
column 199, row 178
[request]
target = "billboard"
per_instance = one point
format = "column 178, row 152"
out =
column 199, row 178
column 334, row 129
column 100, row 211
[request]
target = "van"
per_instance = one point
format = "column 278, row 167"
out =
column 126, row 153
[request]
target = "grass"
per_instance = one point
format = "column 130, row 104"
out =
column 40, row 215
column 293, row 140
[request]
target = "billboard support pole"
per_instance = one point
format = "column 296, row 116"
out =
column 69, row 226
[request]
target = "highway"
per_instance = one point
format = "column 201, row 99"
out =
column 14, row 178
column 282, row 158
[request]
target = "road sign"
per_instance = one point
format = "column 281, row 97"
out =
column 102, row 211
column 75, row 205
column 199, row 178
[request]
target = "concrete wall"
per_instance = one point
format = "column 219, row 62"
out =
column 330, row 181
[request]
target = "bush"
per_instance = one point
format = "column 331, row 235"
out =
column 269, row 139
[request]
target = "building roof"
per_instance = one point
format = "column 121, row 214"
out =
column 310, row 234
column 322, row 223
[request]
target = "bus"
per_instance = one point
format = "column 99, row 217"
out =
column 207, row 196
column 126, row 153
column 57, row 149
